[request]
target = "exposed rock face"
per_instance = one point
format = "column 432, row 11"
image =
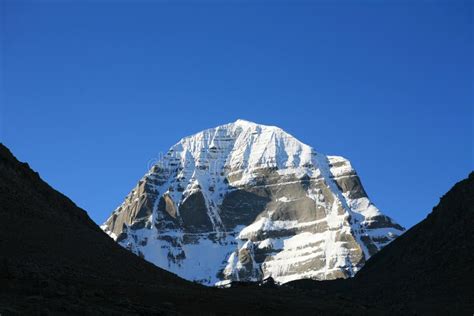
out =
column 246, row 202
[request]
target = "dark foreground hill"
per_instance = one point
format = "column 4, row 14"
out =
column 430, row 267
column 427, row 270
column 55, row 260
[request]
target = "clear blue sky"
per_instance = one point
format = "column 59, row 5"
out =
column 91, row 92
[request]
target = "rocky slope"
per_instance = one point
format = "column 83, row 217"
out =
column 243, row 202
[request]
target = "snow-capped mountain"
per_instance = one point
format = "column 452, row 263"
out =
column 245, row 201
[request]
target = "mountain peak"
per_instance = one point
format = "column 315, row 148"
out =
column 242, row 145
column 244, row 122
column 249, row 124
column 266, row 204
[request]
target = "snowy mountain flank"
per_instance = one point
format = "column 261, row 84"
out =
column 243, row 202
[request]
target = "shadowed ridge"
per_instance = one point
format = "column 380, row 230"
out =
column 52, row 251
column 438, row 245
column 21, row 170
column 427, row 270
column 430, row 268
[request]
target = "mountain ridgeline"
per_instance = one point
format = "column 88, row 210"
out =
column 244, row 202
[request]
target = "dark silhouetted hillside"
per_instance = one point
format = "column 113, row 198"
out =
column 427, row 270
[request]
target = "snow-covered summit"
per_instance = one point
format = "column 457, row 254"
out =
column 245, row 144
column 244, row 201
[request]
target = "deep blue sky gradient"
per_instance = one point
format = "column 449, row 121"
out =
column 91, row 92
